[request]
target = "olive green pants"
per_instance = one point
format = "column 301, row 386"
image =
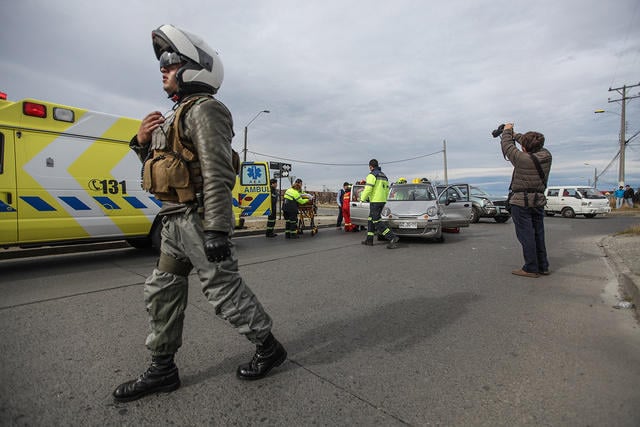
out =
column 165, row 293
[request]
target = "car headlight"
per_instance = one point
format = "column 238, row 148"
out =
column 386, row 212
column 487, row 202
column 432, row 211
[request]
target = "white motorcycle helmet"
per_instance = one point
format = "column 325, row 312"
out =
column 202, row 70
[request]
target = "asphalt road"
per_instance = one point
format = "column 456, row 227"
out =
column 428, row 334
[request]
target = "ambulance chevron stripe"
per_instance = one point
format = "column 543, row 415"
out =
column 62, row 152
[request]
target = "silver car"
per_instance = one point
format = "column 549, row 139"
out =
column 416, row 210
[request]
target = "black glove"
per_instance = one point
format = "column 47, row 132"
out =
column 217, row 246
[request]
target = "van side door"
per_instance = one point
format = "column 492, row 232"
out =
column 553, row 200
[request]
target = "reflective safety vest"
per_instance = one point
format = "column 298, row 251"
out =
column 294, row 195
column 376, row 188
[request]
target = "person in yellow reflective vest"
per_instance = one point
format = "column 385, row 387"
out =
column 375, row 192
column 293, row 198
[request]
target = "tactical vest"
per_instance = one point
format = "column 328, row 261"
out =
column 173, row 174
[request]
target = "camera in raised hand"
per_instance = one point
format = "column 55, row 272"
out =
column 497, row 132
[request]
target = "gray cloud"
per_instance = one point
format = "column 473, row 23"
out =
column 348, row 81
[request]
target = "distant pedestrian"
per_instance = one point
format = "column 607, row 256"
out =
column 271, row 219
column 376, row 190
column 619, row 195
column 339, row 200
column 628, row 195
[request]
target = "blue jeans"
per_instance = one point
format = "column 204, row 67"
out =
column 529, row 224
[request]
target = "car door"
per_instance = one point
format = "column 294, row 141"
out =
column 455, row 206
column 359, row 209
column 8, row 190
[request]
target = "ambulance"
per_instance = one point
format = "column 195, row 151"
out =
column 67, row 176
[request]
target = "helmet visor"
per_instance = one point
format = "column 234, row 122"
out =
column 169, row 58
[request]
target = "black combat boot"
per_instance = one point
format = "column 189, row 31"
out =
column 268, row 355
column 162, row 375
column 393, row 243
column 368, row 241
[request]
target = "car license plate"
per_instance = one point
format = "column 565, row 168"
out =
column 408, row 224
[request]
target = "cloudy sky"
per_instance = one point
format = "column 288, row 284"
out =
column 347, row 81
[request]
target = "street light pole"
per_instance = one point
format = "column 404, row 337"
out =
column 595, row 175
column 244, row 157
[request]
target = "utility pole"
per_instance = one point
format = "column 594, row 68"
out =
column 623, row 142
column 444, row 150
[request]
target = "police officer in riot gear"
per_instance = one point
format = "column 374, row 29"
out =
column 188, row 166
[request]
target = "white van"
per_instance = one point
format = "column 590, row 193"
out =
column 570, row 201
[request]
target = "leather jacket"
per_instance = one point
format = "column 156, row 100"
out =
column 207, row 127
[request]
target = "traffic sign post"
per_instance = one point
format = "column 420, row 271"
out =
column 283, row 170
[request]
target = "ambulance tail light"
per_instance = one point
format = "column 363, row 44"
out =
column 35, row 110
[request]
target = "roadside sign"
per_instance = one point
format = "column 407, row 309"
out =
column 275, row 165
column 286, row 167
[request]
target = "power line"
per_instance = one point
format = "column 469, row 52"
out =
column 343, row 164
column 624, row 44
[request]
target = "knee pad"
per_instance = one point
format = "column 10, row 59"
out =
column 172, row 265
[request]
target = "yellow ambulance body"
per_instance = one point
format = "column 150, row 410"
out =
column 251, row 194
column 67, row 175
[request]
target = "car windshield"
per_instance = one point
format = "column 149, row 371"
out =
column 476, row 192
column 590, row 193
column 403, row 192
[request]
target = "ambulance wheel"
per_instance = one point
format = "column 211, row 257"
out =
column 140, row 242
column 156, row 235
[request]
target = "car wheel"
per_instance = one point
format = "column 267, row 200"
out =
column 501, row 219
column 568, row 213
column 590, row 215
column 475, row 215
